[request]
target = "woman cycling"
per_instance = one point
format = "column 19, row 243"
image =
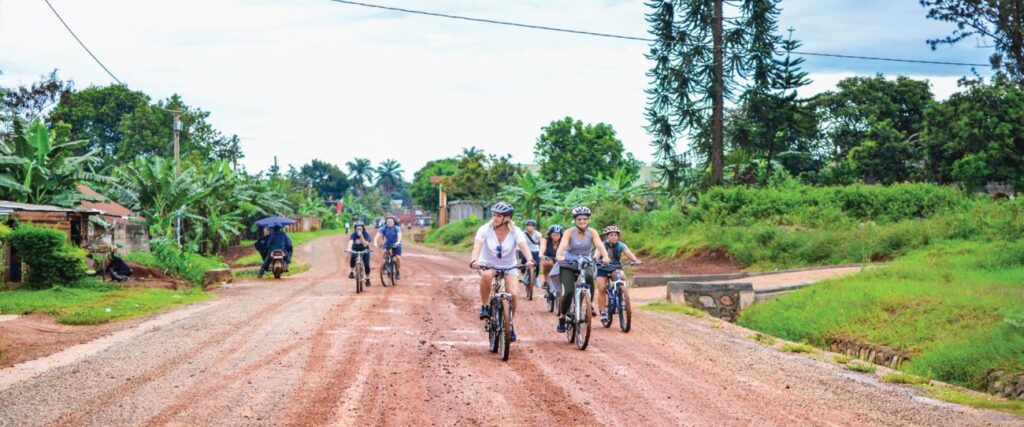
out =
column 495, row 246
column 613, row 269
column 579, row 242
column 533, row 241
column 549, row 249
column 359, row 241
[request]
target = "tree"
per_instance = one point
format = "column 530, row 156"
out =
column 39, row 168
column 389, row 176
column 479, row 176
column 29, row 102
column 531, row 195
column 95, row 114
column 360, row 173
column 699, row 63
column 976, row 136
column 1002, row 22
column 888, row 112
column 423, row 193
column 325, row 178
column 571, row 154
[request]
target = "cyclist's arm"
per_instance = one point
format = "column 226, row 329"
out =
column 477, row 247
column 376, row 238
column 629, row 254
column 543, row 245
column 562, row 246
column 596, row 238
column 399, row 241
column 349, row 245
column 527, row 254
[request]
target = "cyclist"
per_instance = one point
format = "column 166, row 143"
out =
column 577, row 242
column 533, row 241
column 502, row 235
column 358, row 241
column 391, row 234
column 615, row 249
column 549, row 248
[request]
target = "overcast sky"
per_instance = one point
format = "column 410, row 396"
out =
column 305, row 79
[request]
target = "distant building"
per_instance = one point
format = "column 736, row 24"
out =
column 114, row 224
column 461, row 209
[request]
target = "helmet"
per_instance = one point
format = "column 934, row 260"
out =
column 580, row 210
column 358, row 224
column 555, row 228
column 502, row 208
column 532, row 222
column 610, row 229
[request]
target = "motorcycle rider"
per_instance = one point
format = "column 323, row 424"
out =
column 277, row 240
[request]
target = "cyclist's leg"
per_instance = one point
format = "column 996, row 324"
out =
column 366, row 263
column 486, row 278
column 352, row 262
column 602, row 297
column 536, row 267
column 568, row 279
column 510, row 279
column 398, row 257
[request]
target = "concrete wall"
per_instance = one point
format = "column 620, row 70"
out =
column 459, row 210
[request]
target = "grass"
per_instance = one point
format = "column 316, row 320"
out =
column 97, row 303
column 904, row 378
column 763, row 339
column 797, row 348
column 297, row 239
column 976, row 400
column 673, row 308
column 956, row 307
column 842, row 359
column 251, row 272
column 196, row 266
column 456, row 236
column 862, row 367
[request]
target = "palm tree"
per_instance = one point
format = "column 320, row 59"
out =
column 472, row 152
column 389, row 176
column 360, row 173
column 36, row 168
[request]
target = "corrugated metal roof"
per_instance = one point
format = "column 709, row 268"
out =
column 15, row 206
column 108, row 207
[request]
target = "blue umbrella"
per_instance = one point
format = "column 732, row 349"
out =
column 275, row 221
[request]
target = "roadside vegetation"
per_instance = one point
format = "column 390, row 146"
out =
column 91, row 302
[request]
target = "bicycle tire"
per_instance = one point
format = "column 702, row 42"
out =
column 391, row 275
column 504, row 330
column 492, row 330
column 551, row 301
column 625, row 312
column 359, row 277
column 570, row 327
column 529, row 285
column 583, row 333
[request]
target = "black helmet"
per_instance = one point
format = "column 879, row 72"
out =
column 532, row 222
column 502, row 208
column 580, row 210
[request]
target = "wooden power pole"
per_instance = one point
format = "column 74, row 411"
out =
column 717, row 96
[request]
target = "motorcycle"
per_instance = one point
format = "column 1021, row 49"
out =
column 277, row 264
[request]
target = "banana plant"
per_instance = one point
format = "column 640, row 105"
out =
column 37, row 168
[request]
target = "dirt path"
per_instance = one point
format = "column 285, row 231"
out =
column 307, row 350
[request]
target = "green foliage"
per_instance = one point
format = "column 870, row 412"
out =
column 532, row 196
column 51, row 259
column 904, row 378
column 797, row 348
column 998, row 22
column 862, row 367
column 977, row 400
column 424, row 194
column 361, row 173
column 96, row 303
column 763, row 339
column 668, row 307
column 945, row 305
column 176, row 261
column 327, row 179
column 389, row 176
column 456, row 236
column 572, row 155
column 479, row 176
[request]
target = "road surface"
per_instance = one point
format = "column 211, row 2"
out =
column 307, row 350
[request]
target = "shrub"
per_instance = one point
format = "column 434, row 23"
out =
column 458, row 234
column 51, row 260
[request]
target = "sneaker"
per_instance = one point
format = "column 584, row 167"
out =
column 367, row 283
column 351, row 275
column 604, row 316
column 561, row 325
column 398, row 275
column 485, row 312
column 512, row 335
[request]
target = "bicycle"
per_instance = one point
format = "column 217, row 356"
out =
column 361, row 276
column 499, row 325
column 618, row 300
column 388, row 269
column 577, row 320
column 526, row 278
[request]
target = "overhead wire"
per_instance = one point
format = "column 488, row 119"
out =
column 66, row 26
column 633, row 38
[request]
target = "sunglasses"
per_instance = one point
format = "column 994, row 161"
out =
column 497, row 250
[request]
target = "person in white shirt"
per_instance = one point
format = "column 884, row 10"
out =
column 495, row 246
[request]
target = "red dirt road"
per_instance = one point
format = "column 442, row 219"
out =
column 307, row 350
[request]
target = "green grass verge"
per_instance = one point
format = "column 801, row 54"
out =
column 763, row 339
column 858, row 366
column 249, row 273
column 904, row 378
column 668, row 307
column 96, row 304
column 974, row 400
column 797, row 348
column 197, row 265
column 456, row 236
column 297, row 239
column 957, row 308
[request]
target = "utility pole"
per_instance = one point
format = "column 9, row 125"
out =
column 177, row 141
column 717, row 95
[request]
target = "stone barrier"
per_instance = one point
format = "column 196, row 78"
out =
column 721, row 300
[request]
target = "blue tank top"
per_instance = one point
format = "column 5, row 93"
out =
column 579, row 246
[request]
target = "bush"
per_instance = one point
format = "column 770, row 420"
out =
column 51, row 260
column 455, row 235
column 176, row 261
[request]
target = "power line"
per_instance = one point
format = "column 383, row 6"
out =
column 83, row 44
column 643, row 39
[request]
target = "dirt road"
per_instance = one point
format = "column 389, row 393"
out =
column 307, row 350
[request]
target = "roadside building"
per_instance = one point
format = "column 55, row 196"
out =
column 73, row 222
column 114, row 224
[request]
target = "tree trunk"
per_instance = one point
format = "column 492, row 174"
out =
column 717, row 96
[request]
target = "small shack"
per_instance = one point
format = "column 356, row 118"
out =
column 114, row 224
column 74, row 223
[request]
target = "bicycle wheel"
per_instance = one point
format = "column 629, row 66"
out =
column 504, row 330
column 391, row 273
column 583, row 333
column 625, row 311
column 551, row 301
column 492, row 329
column 529, row 285
column 359, row 277
column 607, row 321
